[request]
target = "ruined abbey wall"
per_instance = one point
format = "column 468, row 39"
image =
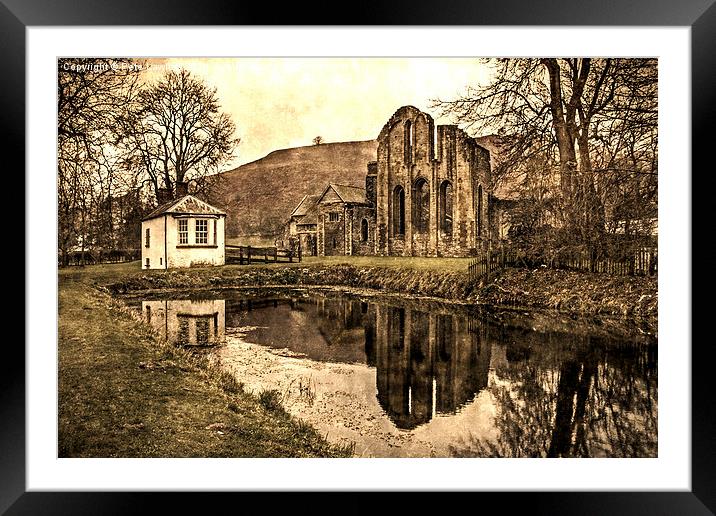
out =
column 431, row 189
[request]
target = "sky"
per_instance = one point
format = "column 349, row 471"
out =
column 278, row 103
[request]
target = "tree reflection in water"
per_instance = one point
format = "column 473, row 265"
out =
column 579, row 397
column 567, row 389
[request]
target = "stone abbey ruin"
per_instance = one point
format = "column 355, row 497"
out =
column 426, row 194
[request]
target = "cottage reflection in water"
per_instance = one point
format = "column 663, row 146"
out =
column 469, row 383
column 187, row 322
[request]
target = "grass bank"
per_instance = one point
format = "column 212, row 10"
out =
column 566, row 291
column 124, row 393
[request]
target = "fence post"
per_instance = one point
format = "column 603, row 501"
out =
column 248, row 255
column 299, row 252
column 632, row 264
column 275, row 254
column 651, row 263
column 241, row 255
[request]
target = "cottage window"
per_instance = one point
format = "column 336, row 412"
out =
column 333, row 217
column 146, row 238
column 202, row 231
column 183, row 231
column 202, row 330
column 183, row 333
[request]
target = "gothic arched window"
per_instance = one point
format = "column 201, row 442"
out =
column 398, row 211
column 446, row 201
column 421, row 206
column 479, row 211
column 408, row 142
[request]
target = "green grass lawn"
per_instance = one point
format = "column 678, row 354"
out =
column 107, row 273
column 124, row 393
column 401, row 262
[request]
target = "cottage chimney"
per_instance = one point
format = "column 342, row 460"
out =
column 164, row 195
column 371, row 180
column 182, row 189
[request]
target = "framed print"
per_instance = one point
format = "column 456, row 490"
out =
column 356, row 258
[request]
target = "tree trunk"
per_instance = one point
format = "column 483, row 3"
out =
column 565, row 141
column 564, row 410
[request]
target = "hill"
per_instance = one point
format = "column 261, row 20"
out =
column 260, row 196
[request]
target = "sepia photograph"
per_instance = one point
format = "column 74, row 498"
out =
column 357, row 257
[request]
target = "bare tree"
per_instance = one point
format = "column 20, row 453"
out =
column 590, row 123
column 91, row 99
column 318, row 140
column 178, row 134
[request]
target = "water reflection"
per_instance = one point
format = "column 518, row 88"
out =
column 187, row 322
column 573, row 396
column 427, row 363
column 550, row 392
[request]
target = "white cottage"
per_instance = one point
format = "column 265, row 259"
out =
column 184, row 232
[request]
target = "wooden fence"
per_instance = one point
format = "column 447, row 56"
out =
column 487, row 263
column 244, row 255
column 87, row 257
column 642, row 262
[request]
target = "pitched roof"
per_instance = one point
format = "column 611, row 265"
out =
column 305, row 205
column 347, row 193
column 311, row 216
column 187, row 205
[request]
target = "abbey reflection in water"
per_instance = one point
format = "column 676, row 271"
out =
column 426, row 363
column 559, row 393
column 556, row 392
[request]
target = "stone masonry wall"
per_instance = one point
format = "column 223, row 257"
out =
column 332, row 234
column 358, row 214
column 412, row 150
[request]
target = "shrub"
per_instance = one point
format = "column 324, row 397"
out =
column 270, row 399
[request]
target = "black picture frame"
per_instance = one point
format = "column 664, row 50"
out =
column 700, row 15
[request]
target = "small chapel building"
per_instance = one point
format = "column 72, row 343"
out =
column 183, row 232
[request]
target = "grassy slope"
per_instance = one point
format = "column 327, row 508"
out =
column 122, row 393
column 260, row 196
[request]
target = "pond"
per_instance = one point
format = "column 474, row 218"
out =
column 416, row 378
